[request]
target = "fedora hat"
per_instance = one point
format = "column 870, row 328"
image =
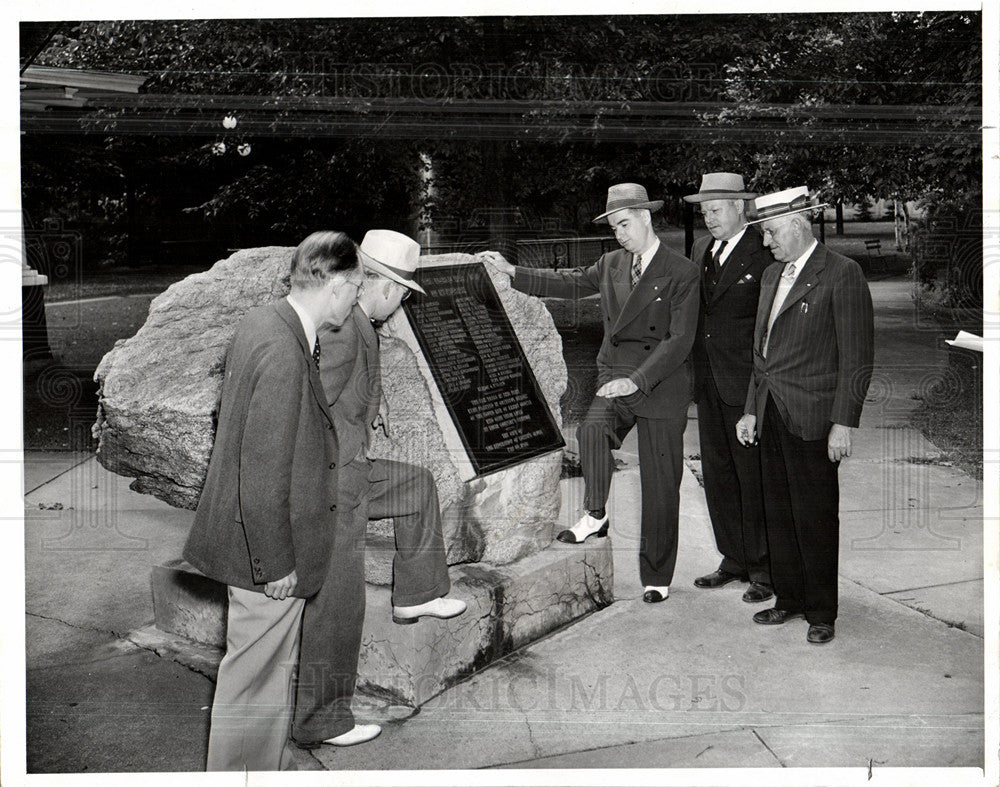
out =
column 392, row 255
column 628, row 195
column 784, row 203
column 720, row 185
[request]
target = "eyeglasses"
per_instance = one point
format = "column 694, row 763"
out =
column 407, row 292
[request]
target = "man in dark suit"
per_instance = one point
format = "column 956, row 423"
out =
column 732, row 260
column 649, row 302
column 369, row 488
column 813, row 349
column 266, row 517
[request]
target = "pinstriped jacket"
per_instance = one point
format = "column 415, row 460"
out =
column 819, row 356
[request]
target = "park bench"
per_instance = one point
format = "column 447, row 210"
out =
column 874, row 245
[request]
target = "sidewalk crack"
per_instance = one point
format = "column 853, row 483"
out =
column 764, row 744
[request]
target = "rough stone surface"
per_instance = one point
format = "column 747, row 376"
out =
column 160, row 391
column 509, row 606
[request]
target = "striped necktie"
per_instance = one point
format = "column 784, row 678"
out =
column 316, row 353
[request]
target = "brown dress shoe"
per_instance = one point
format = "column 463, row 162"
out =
column 820, row 633
column 775, row 617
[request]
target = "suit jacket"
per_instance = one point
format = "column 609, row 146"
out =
column 648, row 331
column 819, row 357
column 723, row 344
column 266, row 507
column 352, row 384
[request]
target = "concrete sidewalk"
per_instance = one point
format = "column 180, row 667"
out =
column 690, row 683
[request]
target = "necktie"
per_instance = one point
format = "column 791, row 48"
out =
column 718, row 256
column 636, row 270
column 787, row 279
column 316, row 353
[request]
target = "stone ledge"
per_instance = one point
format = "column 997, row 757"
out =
column 509, row 606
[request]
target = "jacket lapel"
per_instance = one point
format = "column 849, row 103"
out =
column 619, row 276
column 768, row 288
column 370, row 342
column 806, row 280
column 287, row 313
column 736, row 264
column 648, row 288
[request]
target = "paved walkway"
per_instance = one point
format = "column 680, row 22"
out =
column 690, row 683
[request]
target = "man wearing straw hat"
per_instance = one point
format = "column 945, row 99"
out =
column 367, row 489
column 732, row 260
column 649, row 302
column 812, row 355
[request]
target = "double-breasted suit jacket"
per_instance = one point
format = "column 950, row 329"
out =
column 821, row 348
column 268, row 502
column 648, row 330
column 724, row 339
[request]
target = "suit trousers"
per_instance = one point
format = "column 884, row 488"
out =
column 731, row 474
column 801, row 507
column 661, row 463
column 333, row 619
column 252, row 709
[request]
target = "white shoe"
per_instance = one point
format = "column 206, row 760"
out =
column 653, row 594
column 359, row 733
column 584, row 529
column 435, row 608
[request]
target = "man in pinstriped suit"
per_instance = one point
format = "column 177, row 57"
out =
column 812, row 354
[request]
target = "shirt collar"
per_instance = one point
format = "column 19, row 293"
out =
column 308, row 326
column 801, row 261
column 730, row 244
column 649, row 253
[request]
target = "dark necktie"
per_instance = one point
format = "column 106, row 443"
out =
column 316, row 353
column 718, row 256
column 636, row 270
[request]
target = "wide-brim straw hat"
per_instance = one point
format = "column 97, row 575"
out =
column 392, row 255
column 720, row 185
column 784, row 203
column 622, row 196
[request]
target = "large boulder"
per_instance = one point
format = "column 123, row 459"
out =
column 160, row 390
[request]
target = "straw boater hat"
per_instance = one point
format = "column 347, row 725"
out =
column 720, row 185
column 628, row 195
column 785, row 203
column 392, row 255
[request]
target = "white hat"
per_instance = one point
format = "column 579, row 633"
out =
column 784, row 203
column 392, row 255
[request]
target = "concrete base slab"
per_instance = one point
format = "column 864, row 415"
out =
column 509, row 606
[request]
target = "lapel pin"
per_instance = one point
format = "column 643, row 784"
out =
column 804, row 308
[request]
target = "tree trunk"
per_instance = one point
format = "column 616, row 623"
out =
column 840, row 217
column 902, row 225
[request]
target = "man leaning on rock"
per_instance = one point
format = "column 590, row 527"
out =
column 266, row 518
column 369, row 488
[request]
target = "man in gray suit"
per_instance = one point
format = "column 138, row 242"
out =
column 368, row 488
column 813, row 350
column 266, row 517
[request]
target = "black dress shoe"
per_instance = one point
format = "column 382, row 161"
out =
column 757, row 592
column 820, row 633
column 716, row 579
column 775, row 617
column 653, row 597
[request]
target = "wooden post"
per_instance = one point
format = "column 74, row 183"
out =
column 688, row 227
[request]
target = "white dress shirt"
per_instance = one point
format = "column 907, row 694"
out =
column 648, row 254
column 784, row 286
column 730, row 245
column 308, row 326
